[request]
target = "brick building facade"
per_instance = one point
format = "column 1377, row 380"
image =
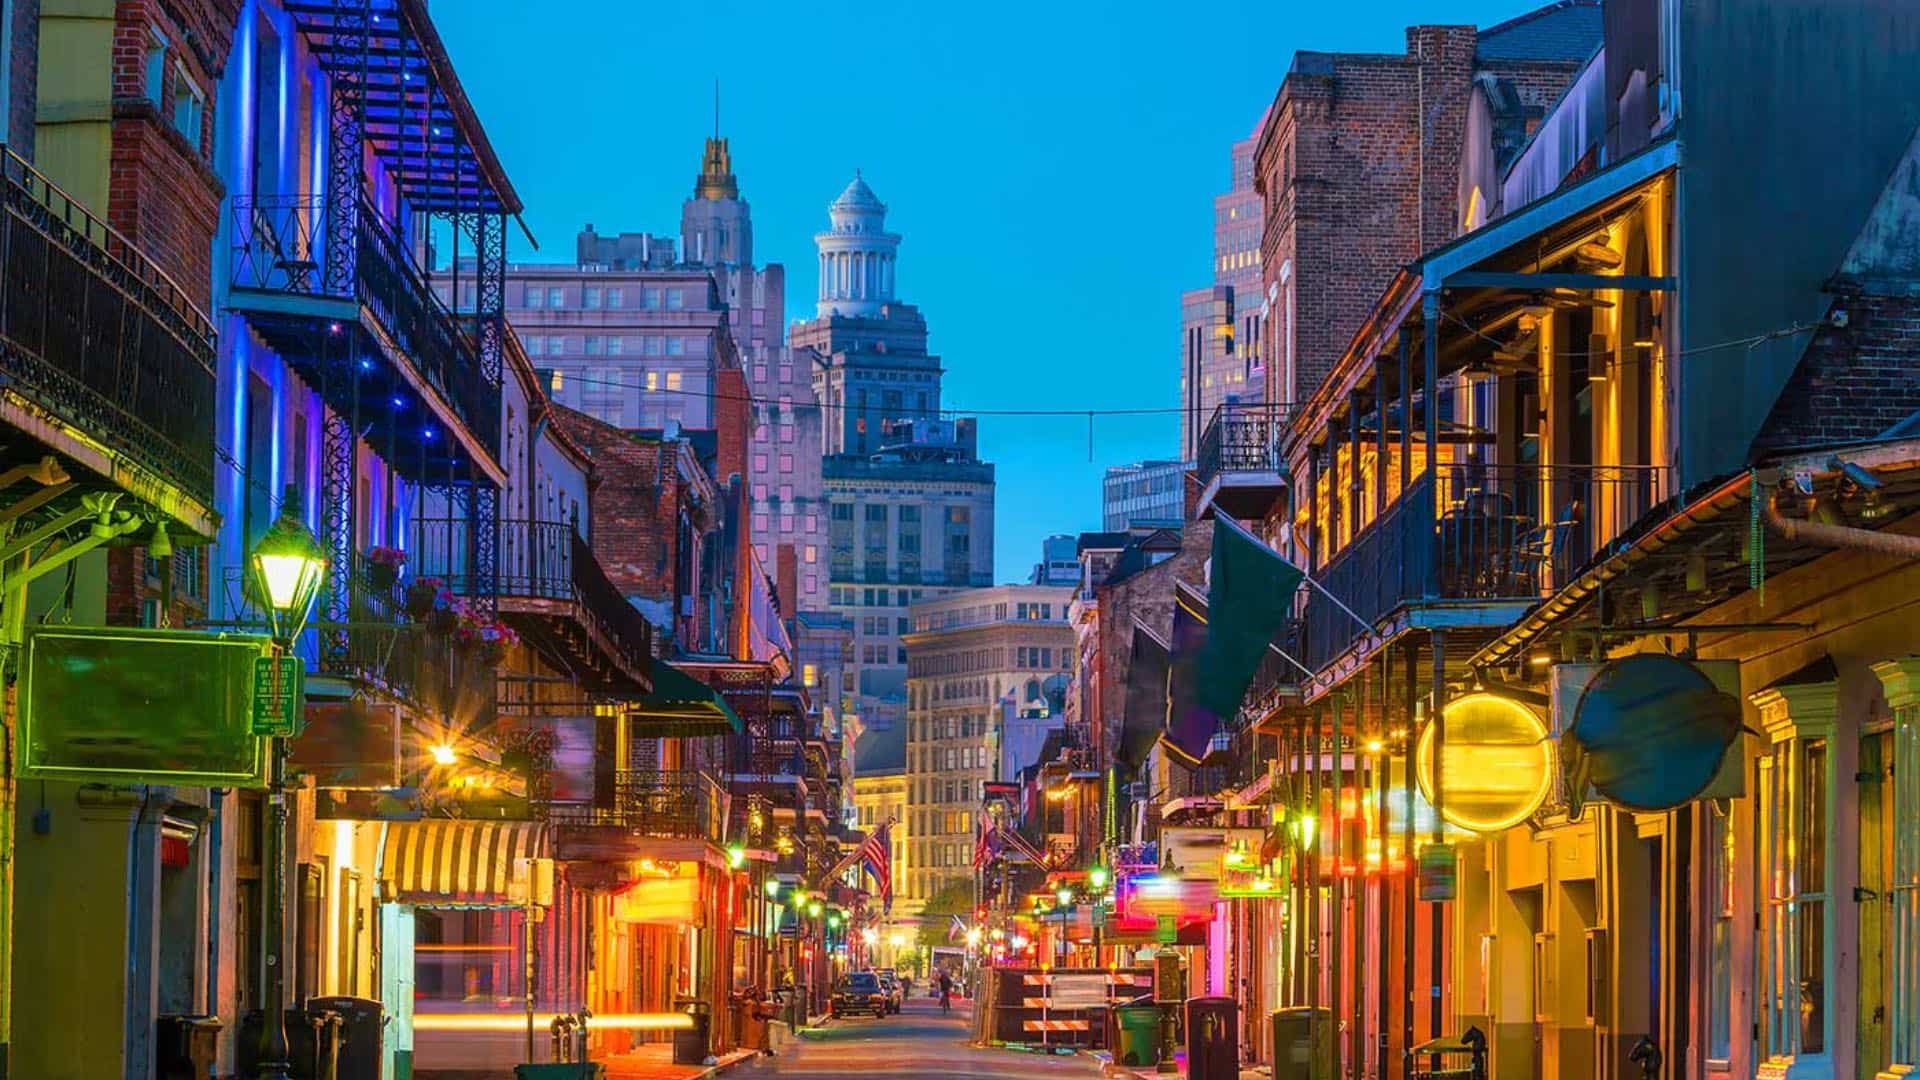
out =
column 1358, row 168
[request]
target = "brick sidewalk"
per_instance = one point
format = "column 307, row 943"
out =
column 655, row 1062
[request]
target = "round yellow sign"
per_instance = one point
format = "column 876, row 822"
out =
column 1498, row 764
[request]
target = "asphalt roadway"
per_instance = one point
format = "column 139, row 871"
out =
column 918, row 1042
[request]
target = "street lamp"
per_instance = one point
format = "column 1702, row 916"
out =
column 286, row 568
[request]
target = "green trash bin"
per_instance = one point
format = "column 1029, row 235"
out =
column 1139, row 1030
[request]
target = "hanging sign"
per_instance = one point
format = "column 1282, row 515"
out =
column 1497, row 767
column 1438, row 873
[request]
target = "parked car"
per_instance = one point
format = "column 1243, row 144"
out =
column 891, row 986
column 859, row 992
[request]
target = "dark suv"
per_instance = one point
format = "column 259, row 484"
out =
column 859, row 992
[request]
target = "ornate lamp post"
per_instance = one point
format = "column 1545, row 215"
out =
column 285, row 569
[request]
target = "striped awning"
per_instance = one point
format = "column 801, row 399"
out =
column 458, row 862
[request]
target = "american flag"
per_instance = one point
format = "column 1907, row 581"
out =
column 983, row 846
column 875, row 853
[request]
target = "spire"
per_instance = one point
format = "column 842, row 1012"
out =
column 716, row 172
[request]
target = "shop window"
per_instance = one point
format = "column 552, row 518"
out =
column 1901, row 982
column 1795, row 786
column 1719, row 837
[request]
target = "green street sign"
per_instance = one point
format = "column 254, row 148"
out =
column 278, row 686
column 1165, row 930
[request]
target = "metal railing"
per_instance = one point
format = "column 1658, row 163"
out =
column 545, row 560
column 1489, row 532
column 681, row 804
column 1242, row 438
column 95, row 332
column 279, row 246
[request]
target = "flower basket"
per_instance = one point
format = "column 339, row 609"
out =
column 423, row 596
column 480, row 635
column 383, row 566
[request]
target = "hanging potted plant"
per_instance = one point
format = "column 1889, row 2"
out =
column 383, row 567
column 481, row 635
column 529, row 752
column 424, row 595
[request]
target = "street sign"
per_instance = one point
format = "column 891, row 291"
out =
column 1165, row 930
column 277, row 685
column 1437, row 873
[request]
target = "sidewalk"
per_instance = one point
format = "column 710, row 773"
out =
column 1129, row 1072
column 655, row 1062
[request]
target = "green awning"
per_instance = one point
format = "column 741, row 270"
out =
column 681, row 705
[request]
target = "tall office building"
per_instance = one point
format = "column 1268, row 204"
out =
column 632, row 330
column 1059, row 562
column 1220, row 326
column 910, row 503
column 1144, row 493
column 975, row 659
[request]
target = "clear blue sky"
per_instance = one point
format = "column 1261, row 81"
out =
column 1050, row 166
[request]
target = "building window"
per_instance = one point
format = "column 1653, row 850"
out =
column 189, row 106
column 1898, row 773
column 676, row 346
column 673, row 380
column 654, row 345
column 156, row 68
column 556, row 297
column 650, row 298
column 614, row 298
column 593, row 345
column 1795, row 784
column 591, row 297
column 1720, row 837
column 676, row 299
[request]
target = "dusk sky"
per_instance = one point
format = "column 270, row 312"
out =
column 1050, row 167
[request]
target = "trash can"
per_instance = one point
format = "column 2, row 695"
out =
column 360, row 1021
column 302, row 1052
column 690, row 1044
column 1293, row 1056
column 1213, row 1038
column 187, row 1047
column 1139, row 1031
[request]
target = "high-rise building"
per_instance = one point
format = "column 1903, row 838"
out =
column 910, row 503
column 787, row 490
column 1059, row 562
column 1144, row 493
column 632, row 331
column 1220, row 355
column 974, row 658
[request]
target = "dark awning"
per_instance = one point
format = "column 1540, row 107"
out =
column 681, row 705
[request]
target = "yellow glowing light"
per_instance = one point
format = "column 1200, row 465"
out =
column 870, row 935
column 1375, row 746
column 667, row 1021
column 973, row 936
column 1498, row 765
column 896, row 940
column 444, row 754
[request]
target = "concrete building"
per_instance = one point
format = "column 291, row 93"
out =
column 788, row 490
column 971, row 657
column 1144, row 493
column 1221, row 359
column 909, row 502
column 1059, row 562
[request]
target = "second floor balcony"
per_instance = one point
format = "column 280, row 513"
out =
column 104, row 358
column 554, row 590
column 1240, row 467
column 634, row 809
column 1486, row 541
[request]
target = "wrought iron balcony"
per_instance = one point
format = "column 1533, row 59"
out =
column 98, row 336
column 1242, row 439
column 1501, row 533
column 552, row 586
column 304, row 300
column 673, row 804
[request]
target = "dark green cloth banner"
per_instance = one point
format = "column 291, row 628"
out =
column 1190, row 723
column 1249, row 600
column 1146, row 701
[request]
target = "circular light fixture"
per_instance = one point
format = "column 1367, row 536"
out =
column 1498, row 766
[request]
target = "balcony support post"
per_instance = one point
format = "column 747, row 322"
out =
column 337, row 441
column 1436, row 716
column 1409, row 887
column 1430, row 410
column 1379, row 439
column 345, row 135
column 1353, row 462
column 1406, row 408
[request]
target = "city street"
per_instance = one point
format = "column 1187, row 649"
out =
column 918, row 1042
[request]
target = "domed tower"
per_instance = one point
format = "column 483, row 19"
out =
column 856, row 254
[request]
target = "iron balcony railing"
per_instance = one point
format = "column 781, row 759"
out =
column 542, row 560
column 415, row 658
column 678, row 804
column 97, row 334
column 1514, row 532
column 1242, row 438
column 279, row 246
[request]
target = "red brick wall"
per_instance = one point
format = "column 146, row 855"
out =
column 1359, row 175
column 635, row 504
column 1853, row 382
column 162, row 191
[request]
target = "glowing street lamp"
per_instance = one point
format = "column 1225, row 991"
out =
column 773, row 887
column 1064, row 895
column 870, row 935
column 1097, row 878
column 285, row 568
